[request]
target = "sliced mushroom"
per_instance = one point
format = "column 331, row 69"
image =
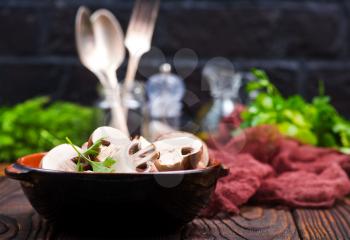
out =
column 175, row 134
column 137, row 156
column 60, row 158
column 172, row 151
column 204, row 160
column 178, row 153
column 143, row 142
column 116, row 153
column 142, row 155
column 200, row 162
column 84, row 147
column 109, row 135
column 157, row 129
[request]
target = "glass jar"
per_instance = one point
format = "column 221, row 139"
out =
column 224, row 83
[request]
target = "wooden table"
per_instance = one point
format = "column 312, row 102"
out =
column 18, row 220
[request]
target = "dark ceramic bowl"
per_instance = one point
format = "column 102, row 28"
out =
column 137, row 200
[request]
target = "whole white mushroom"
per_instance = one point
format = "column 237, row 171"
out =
column 60, row 158
column 109, row 134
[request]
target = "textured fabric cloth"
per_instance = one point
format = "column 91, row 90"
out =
column 266, row 167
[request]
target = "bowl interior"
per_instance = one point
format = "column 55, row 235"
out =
column 32, row 160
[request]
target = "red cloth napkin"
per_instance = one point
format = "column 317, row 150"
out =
column 266, row 167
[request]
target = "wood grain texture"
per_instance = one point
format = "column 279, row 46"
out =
column 17, row 217
column 324, row 224
column 252, row 223
column 19, row 221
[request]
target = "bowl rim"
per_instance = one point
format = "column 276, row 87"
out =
column 22, row 168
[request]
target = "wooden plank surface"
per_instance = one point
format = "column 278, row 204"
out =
column 252, row 223
column 19, row 221
column 324, row 224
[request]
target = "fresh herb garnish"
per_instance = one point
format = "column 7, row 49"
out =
column 94, row 149
column 108, row 162
column 104, row 167
column 317, row 123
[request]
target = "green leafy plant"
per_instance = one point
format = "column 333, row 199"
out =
column 37, row 125
column 88, row 156
column 317, row 123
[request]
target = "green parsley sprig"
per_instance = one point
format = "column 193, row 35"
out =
column 92, row 151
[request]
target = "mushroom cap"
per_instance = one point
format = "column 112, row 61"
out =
column 178, row 153
column 117, row 143
column 84, row 147
column 60, row 158
column 137, row 156
column 200, row 162
column 172, row 151
column 175, row 134
column 158, row 129
column 122, row 164
column 143, row 142
column 141, row 155
column 112, row 135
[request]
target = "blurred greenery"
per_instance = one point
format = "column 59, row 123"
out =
column 317, row 123
column 37, row 125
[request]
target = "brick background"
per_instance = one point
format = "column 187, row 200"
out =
column 297, row 42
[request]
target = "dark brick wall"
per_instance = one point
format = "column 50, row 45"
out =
column 297, row 42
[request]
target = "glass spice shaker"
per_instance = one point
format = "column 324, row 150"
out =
column 224, row 83
column 165, row 91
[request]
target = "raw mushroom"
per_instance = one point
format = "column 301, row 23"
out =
column 203, row 160
column 84, row 147
column 137, row 156
column 178, row 153
column 60, row 158
column 114, row 143
column 118, row 146
column 157, row 129
column 143, row 142
column 142, row 155
column 117, row 153
column 172, row 151
column 110, row 136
